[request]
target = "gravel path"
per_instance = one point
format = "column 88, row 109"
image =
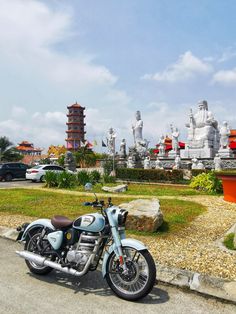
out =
column 193, row 248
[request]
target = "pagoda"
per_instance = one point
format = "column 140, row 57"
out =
column 75, row 125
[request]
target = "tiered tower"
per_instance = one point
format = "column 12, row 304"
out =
column 75, row 124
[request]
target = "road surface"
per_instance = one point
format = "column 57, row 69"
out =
column 22, row 292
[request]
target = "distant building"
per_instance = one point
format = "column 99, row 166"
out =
column 75, row 125
column 31, row 154
column 27, row 148
column 232, row 141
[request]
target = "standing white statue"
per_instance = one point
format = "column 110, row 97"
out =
column 218, row 163
column 158, row 164
column 162, row 146
column 175, row 138
column 194, row 163
column 177, row 164
column 123, row 148
column 140, row 144
column 147, row 163
column 224, row 136
column 130, row 162
column 111, row 136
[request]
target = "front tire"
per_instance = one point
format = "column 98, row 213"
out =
column 139, row 280
column 31, row 245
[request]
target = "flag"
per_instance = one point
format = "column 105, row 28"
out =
column 69, row 145
column 95, row 143
column 103, row 144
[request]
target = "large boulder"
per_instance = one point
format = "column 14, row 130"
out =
column 144, row 214
column 115, row 189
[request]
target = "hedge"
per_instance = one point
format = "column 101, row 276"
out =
column 153, row 175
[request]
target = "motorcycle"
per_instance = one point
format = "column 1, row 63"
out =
column 76, row 247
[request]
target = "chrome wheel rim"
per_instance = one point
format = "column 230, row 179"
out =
column 138, row 272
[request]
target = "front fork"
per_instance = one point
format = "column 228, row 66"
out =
column 117, row 236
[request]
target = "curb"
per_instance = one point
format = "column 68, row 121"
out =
column 211, row 286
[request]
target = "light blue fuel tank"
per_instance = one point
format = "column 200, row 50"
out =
column 90, row 222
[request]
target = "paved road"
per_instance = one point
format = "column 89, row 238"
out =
column 17, row 183
column 22, row 292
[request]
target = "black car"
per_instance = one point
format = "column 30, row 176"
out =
column 12, row 170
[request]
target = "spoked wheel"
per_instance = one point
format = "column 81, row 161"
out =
column 139, row 278
column 35, row 244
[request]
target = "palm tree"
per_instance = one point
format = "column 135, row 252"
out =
column 7, row 151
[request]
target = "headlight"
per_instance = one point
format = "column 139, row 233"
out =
column 122, row 217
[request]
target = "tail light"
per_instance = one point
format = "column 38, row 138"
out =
column 34, row 171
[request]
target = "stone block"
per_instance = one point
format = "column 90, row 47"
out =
column 144, row 214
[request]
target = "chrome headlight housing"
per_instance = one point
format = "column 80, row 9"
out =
column 121, row 219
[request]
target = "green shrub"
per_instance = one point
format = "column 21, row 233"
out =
column 153, row 175
column 207, row 182
column 83, row 177
column 51, row 179
column 95, row 176
column 229, row 241
column 108, row 179
column 66, row 180
column 108, row 166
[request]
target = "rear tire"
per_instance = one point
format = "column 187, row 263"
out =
column 42, row 179
column 31, row 246
column 8, row 177
column 141, row 277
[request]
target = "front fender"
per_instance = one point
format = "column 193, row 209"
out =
column 39, row 223
column 135, row 244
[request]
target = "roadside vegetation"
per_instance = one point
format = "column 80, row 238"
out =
column 229, row 241
column 177, row 213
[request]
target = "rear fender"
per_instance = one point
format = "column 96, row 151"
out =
column 135, row 244
column 37, row 224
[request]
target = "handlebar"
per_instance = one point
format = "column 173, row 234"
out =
column 97, row 203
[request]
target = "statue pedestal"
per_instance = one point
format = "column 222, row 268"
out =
column 197, row 152
column 225, row 153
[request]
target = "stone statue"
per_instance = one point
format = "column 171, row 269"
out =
column 111, row 136
column 200, row 165
column 158, row 164
column 224, row 136
column 162, row 146
column 123, row 148
column 147, row 163
column 175, row 138
column 130, row 162
column 194, row 163
column 177, row 164
column 69, row 161
column 140, row 144
column 218, row 163
column 203, row 135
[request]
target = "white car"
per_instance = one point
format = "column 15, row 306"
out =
column 37, row 173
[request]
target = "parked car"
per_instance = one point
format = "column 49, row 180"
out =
column 37, row 173
column 12, row 170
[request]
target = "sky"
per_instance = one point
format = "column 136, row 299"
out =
column 114, row 58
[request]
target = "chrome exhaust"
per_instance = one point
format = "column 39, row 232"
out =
column 42, row 261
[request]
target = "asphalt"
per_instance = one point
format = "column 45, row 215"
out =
column 22, row 292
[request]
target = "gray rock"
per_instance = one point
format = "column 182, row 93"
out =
column 144, row 214
column 115, row 189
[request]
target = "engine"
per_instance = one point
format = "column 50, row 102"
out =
column 80, row 253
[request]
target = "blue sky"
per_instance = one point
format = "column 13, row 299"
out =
column 114, row 57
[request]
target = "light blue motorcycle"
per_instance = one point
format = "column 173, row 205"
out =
column 76, row 247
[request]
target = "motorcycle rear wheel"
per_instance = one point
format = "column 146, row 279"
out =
column 31, row 246
column 141, row 275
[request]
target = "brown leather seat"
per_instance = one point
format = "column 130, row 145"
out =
column 61, row 222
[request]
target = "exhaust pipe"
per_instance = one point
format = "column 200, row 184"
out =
column 42, row 261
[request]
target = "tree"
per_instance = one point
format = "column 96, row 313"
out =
column 7, row 151
column 85, row 157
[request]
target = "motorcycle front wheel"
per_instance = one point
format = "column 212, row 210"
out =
column 138, row 280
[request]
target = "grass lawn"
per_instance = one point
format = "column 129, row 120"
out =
column 151, row 189
column 177, row 213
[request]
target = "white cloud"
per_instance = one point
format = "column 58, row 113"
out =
column 186, row 67
column 225, row 77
